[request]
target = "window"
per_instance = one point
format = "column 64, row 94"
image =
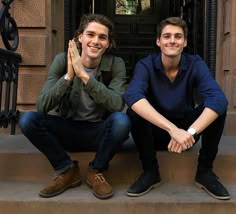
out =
column 133, row 7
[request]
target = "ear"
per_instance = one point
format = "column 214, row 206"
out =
column 109, row 45
column 158, row 42
column 80, row 37
column 185, row 43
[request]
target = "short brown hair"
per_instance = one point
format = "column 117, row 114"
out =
column 101, row 19
column 177, row 21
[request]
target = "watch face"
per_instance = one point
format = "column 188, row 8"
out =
column 67, row 78
column 192, row 131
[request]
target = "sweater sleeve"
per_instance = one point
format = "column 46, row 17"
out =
column 213, row 96
column 138, row 85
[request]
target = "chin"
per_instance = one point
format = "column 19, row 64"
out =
column 173, row 54
column 94, row 55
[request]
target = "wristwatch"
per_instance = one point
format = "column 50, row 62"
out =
column 192, row 131
column 67, row 78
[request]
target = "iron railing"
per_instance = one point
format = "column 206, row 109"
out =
column 9, row 63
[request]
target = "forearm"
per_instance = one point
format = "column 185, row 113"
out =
column 145, row 110
column 178, row 135
column 108, row 97
column 55, row 86
column 204, row 120
column 51, row 95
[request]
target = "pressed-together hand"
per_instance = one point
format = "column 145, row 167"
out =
column 180, row 140
column 76, row 62
column 70, row 70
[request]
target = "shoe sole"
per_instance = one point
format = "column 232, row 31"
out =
column 210, row 193
column 75, row 184
column 97, row 195
column 145, row 192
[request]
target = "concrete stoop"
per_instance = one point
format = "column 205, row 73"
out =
column 24, row 171
column 21, row 197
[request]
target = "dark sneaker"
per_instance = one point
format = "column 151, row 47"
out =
column 212, row 185
column 68, row 179
column 147, row 181
column 101, row 188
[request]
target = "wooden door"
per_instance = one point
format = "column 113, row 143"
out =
column 135, row 22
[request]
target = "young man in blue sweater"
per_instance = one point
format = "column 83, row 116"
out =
column 164, row 113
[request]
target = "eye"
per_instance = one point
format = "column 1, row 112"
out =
column 166, row 36
column 179, row 36
column 89, row 34
column 103, row 37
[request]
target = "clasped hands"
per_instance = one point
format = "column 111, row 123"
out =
column 74, row 64
column 180, row 141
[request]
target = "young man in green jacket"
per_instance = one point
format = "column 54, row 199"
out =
column 79, row 108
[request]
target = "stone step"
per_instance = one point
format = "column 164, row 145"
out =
column 24, row 171
column 20, row 161
column 22, row 197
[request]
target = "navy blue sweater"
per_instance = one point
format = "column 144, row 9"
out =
column 175, row 99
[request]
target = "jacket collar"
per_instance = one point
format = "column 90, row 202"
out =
column 106, row 62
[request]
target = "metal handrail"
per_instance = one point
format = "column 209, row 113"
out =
column 8, row 27
column 9, row 63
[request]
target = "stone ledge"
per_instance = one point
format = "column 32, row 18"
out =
column 21, row 197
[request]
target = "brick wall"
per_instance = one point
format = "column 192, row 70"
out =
column 226, row 58
column 41, row 30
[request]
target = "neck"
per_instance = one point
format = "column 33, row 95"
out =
column 170, row 63
column 89, row 62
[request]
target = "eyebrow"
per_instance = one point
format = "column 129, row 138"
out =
column 172, row 34
column 102, row 34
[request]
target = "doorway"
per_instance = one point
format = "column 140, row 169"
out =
column 136, row 21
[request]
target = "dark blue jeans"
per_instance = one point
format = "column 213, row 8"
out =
column 149, row 138
column 55, row 136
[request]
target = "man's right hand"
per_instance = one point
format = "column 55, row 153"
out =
column 173, row 146
column 70, row 70
column 182, row 137
column 77, row 62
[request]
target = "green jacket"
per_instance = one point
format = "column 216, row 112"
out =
column 56, row 94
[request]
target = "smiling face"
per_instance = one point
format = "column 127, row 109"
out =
column 94, row 41
column 171, row 41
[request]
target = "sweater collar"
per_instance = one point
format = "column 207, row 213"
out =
column 159, row 66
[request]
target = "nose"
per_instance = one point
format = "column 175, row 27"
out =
column 172, row 39
column 95, row 39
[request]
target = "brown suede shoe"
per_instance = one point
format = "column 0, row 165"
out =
column 96, row 181
column 68, row 179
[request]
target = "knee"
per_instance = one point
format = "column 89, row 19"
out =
column 223, row 116
column 121, row 122
column 220, row 120
column 27, row 120
column 134, row 117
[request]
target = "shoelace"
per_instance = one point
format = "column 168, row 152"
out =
column 99, row 177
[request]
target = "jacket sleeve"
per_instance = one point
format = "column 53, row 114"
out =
column 55, row 87
column 109, row 97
